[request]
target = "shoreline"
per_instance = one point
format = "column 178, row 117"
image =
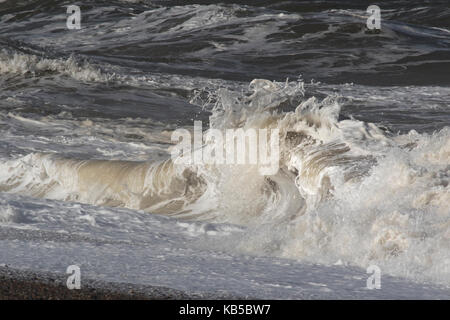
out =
column 16, row 284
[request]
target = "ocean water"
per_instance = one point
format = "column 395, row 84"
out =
column 86, row 118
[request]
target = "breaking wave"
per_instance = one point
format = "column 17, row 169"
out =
column 23, row 64
column 346, row 191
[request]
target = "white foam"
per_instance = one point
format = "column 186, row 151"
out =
column 345, row 192
column 19, row 63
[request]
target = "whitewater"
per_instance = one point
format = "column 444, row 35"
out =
column 87, row 177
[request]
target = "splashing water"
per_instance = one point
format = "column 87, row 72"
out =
column 345, row 191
